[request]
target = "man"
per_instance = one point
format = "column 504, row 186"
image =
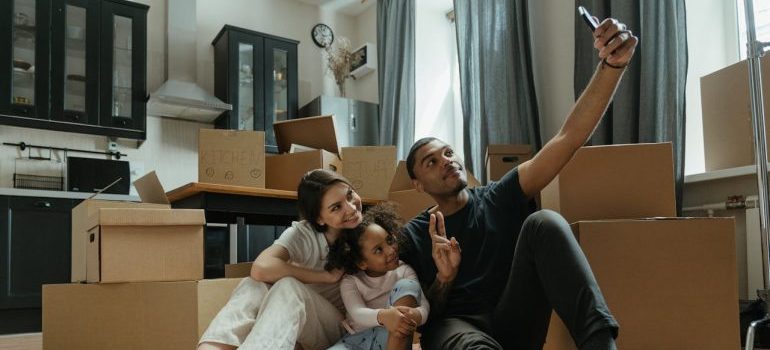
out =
column 498, row 291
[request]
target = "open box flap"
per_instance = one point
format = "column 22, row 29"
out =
column 314, row 132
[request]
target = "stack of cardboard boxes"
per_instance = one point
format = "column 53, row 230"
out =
column 670, row 282
column 137, row 273
column 369, row 168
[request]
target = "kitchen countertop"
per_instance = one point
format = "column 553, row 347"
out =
column 7, row 191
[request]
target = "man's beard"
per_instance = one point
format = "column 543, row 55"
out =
column 461, row 185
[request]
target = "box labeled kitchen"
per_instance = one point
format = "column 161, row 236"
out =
column 231, row 157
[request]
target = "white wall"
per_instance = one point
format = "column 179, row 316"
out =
column 366, row 88
column 435, row 62
column 712, row 44
column 172, row 147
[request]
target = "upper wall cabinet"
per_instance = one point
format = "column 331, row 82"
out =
column 74, row 65
column 257, row 74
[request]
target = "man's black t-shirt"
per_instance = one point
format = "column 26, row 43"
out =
column 487, row 229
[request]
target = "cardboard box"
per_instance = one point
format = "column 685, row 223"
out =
column 284, row 171
column 614, row 182
column 369, row 168
column 728, row 136
column 132, row 245
column 502, row 158
column 231, row 157
column 86, row 214
column 238, row 270
column 670, row 283
column 410, row 201
column 148, row 315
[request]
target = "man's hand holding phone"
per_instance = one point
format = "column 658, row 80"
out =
column 615, row 43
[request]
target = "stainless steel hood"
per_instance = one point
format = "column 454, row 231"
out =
column 180, row 96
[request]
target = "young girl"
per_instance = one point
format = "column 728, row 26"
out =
column 303, row 305
column 382, row 296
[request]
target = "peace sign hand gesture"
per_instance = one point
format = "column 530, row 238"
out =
column 446, row 252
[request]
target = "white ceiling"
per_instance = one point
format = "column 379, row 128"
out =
column 348, row 7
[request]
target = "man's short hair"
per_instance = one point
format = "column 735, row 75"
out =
column 412, row 151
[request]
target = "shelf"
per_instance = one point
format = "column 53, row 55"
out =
column 23, row 79
column 75, row 45
column 24, row 43
column 24, row 28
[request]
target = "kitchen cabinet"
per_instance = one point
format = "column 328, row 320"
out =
column 74, row 65
column 257, row 74
column 35, row 238
column 255, row 239
column 252, row 240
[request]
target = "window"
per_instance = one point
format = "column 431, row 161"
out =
column 762, row 22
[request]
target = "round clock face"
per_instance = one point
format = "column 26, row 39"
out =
column 322, row 35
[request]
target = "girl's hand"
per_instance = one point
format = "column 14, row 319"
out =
column 411, row 312
column 397, row 323
column 333, row 276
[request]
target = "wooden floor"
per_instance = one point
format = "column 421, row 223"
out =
column 27, row 341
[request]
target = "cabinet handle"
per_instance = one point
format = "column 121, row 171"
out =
column 43, row 204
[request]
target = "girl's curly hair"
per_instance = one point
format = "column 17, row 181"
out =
column 345, row 252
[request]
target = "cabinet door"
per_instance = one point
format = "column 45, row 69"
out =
column 122, row 83
column 281, row 100
column 216, row 250
column 75, row 67
column 37, row 240
column 245, row 76
column 25, row 61
column 253, row 240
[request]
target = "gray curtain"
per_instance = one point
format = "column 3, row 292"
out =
column 496, row 83
column 395, row 56
column 649, row 105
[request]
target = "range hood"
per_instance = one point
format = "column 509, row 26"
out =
column 180, row 96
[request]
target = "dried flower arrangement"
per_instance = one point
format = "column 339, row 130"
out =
column 339, row 60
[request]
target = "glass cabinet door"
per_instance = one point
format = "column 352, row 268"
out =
column 27, row 93
column 257, row 74
column 75, row 68
column 280, row 86
column 246, row 98
column 123, row 69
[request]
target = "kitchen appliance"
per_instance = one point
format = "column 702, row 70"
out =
column 92, row 175
column 356, row 123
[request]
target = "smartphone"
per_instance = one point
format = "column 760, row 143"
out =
column 590, row 21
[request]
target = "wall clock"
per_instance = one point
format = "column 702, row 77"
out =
column 322, row 35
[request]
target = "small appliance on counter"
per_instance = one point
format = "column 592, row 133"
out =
column 92, row 175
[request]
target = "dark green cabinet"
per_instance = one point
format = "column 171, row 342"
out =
column 257, row 74
column 35, row 241
column 74, row 65
column 251, row 241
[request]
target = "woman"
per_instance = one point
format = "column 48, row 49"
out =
column 303, row 305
